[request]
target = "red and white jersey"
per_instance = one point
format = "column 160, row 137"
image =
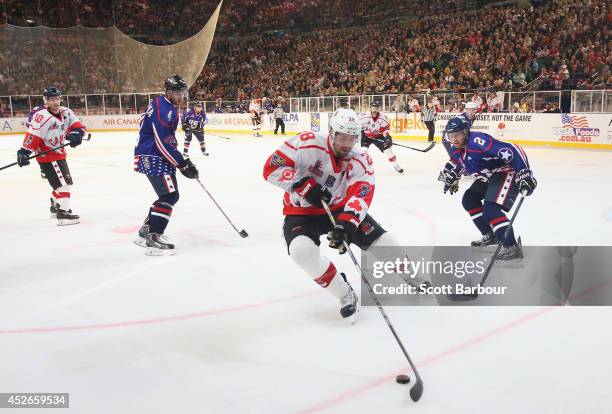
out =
column 254, row 108
column 493, row 104
column 374, row 126
column 349, row 179
column 47, row 130
column 414, row 105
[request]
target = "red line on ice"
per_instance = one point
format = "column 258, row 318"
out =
column 162, row 319
column 469, row 343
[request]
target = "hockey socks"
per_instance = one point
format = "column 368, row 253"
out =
column 159, row 215
column 499, row 223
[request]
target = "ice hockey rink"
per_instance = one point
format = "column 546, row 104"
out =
column 231, row 325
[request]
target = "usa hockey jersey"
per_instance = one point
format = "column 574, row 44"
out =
column 484, row 155
column 374, row 126
column 155, row 153
column 194, row 121
column 349, row 179
column 47, row 130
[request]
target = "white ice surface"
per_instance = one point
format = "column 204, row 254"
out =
column 231, row 325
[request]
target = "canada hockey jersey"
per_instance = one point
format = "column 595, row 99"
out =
column 374, row 126
column 46, row 131
column 155, row 153
column 350, row 179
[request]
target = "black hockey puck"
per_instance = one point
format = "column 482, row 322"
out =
column 402, row 379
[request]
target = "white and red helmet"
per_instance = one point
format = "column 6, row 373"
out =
column 345, row 121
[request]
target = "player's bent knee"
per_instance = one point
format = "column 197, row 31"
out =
column 470, row 200
column 304, row 251
column 170, row 198
column 491, row 211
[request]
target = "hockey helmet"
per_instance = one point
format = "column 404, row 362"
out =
column 345, row 121
column 175, row 83
column 458, row 123
column 51, row 91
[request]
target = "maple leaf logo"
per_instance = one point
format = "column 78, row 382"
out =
column 355, row 205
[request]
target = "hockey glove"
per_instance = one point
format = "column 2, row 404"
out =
column 188, row 169
column 311, row 191
column 450, row 177
column 387, row 142
column 185, row 128
column 75, row 137
column 526, row 182
column 22, row 157
column 342, row 232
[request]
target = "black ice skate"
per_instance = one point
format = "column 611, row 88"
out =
column 206, row 154
column 488, row 239
column 66, row 218
column 143, row 232
column 158, row 245
column 510, row 256
column 349, row 303
column 53, row 209
column 398, row 168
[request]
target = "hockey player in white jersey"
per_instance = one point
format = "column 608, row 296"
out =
column 49, row 126
column 376, row 131
column 312, row 167
column 255, row 111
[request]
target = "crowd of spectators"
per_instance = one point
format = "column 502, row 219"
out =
column 561, row 44
column 338, row 47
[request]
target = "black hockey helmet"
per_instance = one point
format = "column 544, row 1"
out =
column 375, row 104
column 175, row 83
column 51, row 91
column 458, row 123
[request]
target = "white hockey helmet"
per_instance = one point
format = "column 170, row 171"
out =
column 471, row 105
column 345, row 121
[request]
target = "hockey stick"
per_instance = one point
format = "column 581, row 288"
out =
column 45, row 152
column 431, row 145
column 417, row 389
column 473, row 296
column 218, row 136
column 242, row 232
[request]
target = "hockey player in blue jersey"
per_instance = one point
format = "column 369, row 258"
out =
column 157, row 157
column 501, row 170
column 469, row 114
column 193, row 121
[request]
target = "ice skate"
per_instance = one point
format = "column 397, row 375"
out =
column 511, row 256
column 53, row 209
column 158, row 245
column 349, row 304
column 66, row 218
column 398, row 168
column 143, row 232
column 483, row 245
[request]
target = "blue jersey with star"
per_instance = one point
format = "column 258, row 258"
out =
column 193, row 120
column 155, row 153
column 484, row 155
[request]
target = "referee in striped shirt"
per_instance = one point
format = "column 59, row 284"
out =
column 429, row 117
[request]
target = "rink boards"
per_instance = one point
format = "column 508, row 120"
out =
column 577, row 130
